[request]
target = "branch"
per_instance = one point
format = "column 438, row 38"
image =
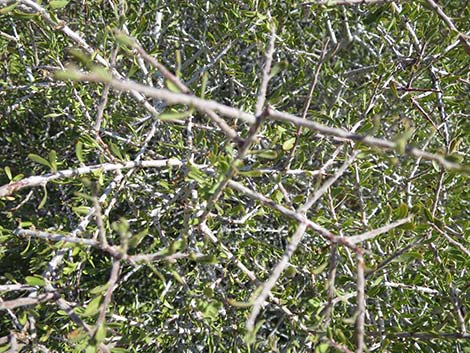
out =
column 326, row 185
column 266, row 73
column 292, row 246
column 423, row 335
column 276, row 273
column 113, row 278
column 208, row 105
column 373, row 233
column 15, row 303
column 13, row 287
column 411, row 287
column 169, row 97
column 244, row 149
column 293, row 215
column 366, row 140
column 33, row 181
column 462, row 37
column 450, row 239
column 308, row 101
column 345, row 2
column 361, row 303
column 61, row 25
column 210, row 235
column 112, row 250
column 231, row 133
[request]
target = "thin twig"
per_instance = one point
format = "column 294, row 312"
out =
column 297, row 216
column 293, row 244
column 185, row 89
column 112, row 250
column 345, row 2
column 308, row 101
column 411, row 287
column 266, row 73
column 361, row 303
column 462, row 37
column 113, row 278
column 232, row 171
column 276, row 273
column 16, row 303
column 450, row 240
column 374, row 233
column 424, row 335
column 327, row 184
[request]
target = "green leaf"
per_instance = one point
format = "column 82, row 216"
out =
column 288, row 144
column 211, row 311
column 206, row 259
column 35, row 280
column 238, row 304
column 455, row 144
column 205, row 78
column 401, row 211
column 178, row 278
column 251, row 173
column 136, row 239
column 279, row 67
column 400, row 145
column 81, row 56
column 100, row 333
column 39, row 159
column 115, row 149
column 175, row 115
column 290, row 271
column 267, row 154
column 428, row 215
column 8, row 172
column 44, row 198
column 26, row 249
column 93, row 306
column 393, row 87
column 79, row 151
column 68, row 74
column 103, row 74
column 53, row 115
column 7, row 9
column 57, row 4
column 124, row 39
column 176, row 246
column 197, row 175
column 81, row 210
column 375, row 16
column 53, row 160
column 172, row 87
column 99, row 289
column 320, row 268
column 322, row 348
column 18, row 177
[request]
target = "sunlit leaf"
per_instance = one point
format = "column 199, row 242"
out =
column 39, row 159
column 57, row 4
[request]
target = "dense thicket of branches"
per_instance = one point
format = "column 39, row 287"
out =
column 246, row 176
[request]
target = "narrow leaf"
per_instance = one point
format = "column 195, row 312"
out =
column 57, row 4
column 39, row 159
